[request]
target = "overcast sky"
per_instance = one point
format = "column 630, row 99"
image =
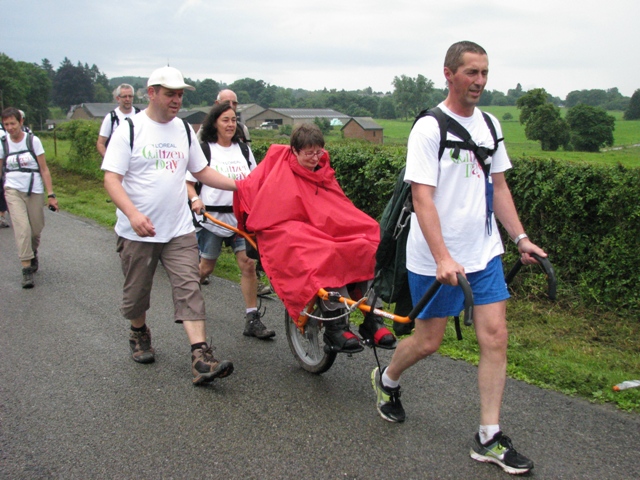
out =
column 559, row 45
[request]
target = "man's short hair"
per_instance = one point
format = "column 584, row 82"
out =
column 119, row 88
column 453, row 58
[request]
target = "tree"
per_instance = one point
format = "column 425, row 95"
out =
column 12, row 83
column 209, row 90
column 71, row 85
column 633, row 110
column 412, row 94
column 591, row 128
column 542, row 120
column 386, row 108
column 38, row 93
column 323, row 124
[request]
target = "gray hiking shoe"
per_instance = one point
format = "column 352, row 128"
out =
column 27, row 277
column 34, row 262
column 255, row 328
column 206, row 368
column 141, row 349
column 3, row 222
column 499, row 450
column 264, row 289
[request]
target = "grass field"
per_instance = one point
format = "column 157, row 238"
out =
column 626, row 135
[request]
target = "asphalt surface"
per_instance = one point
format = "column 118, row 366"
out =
column 73, row 405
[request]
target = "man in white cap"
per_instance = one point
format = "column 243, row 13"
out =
column 144, row 173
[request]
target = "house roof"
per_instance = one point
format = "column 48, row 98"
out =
column 99, row 110
column 309, row 112
column 367, row 123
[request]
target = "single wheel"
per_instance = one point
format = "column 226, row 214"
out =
column 308, row 347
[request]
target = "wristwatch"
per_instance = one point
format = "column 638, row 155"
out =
column 51, row 195
column 520, row 237
column 194, row 198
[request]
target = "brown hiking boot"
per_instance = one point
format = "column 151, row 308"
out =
column 254, row 327
column 206, row 368
column 141, row 349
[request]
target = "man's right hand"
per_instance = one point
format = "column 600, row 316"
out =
column 447, row 271
column 142, row 225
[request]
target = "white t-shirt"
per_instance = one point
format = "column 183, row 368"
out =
column 20, row 180
column 154, row 175
column 229, row 161
column 460, row 194
column 105, row 128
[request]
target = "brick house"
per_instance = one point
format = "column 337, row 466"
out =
column 363, row 128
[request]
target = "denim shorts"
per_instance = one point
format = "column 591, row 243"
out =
column 488, row 286
column 210, row 244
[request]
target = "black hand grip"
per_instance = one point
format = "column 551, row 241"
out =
column 428, row 295
column 468, row 299
column 546, row 266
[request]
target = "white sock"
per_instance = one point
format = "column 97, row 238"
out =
column 249, row 310
column 487, row 432
column 387, row 382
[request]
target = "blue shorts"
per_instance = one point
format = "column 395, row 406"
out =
column 210, row 244
column 488, row 286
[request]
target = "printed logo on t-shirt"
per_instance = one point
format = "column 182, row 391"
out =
column 165, row 155
column 232, row 169
column 20, row 160
column 467, row 160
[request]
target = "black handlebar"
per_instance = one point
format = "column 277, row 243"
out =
column 546, row 266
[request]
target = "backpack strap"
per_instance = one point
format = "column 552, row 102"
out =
column 245, row 152
column 115, row 121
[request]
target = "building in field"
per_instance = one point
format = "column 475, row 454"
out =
column 292, row 116
column 363, row 128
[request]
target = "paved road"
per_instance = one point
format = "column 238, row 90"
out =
column 73, row 404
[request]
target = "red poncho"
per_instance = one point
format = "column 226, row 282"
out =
column 309, row 234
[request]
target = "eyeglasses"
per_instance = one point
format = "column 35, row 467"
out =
column 312, row 154
column 125, row 96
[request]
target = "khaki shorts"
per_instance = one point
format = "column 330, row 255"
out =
column 180, row 260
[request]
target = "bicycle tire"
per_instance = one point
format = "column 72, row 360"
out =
column 308, row 347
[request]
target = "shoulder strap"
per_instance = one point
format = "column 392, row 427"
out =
column 188, row 129
column 136, row 109
column 115, row 121
column 130, row 132
column 441, row 118
column 207, row 151
column 492, row 129
column 32, row 150
column 245, row 151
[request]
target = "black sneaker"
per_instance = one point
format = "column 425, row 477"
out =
column 27, row 277
column 140, row 344
column 499, row 450
column 255, row 328
column 388, row 399
column 206, row 368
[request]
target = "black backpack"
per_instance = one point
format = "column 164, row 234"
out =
column 5, row 148
column 391, row 279
column 115, row 121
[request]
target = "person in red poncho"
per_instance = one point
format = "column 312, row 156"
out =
column 310, row 235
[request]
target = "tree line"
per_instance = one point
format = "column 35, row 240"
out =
column 36, row 87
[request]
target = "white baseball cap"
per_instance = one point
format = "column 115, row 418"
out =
column 169, row 77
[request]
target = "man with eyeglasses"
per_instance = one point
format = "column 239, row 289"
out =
column 123, row 94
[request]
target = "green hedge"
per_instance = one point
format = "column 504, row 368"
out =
column 587, row 217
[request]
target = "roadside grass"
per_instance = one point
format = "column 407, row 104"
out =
column 560, row 346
